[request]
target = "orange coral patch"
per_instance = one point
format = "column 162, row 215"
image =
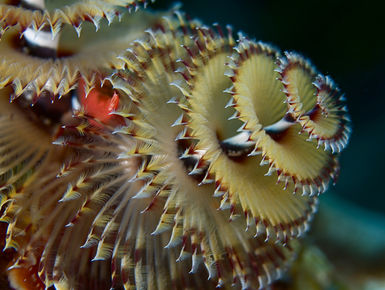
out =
column 99, row 103
column 25, row 278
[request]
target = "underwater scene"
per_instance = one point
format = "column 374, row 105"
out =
column 191, row 145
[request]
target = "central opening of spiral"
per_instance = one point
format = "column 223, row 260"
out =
column 237, row 147
column 278, row 130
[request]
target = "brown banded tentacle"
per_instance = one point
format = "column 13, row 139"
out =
column 92, row 181
column 239, row 178
column 321, row 109
column 185, row 207
column 293, row 157
column 26, row 150
column 42, row 211
column 297, row 75
column 58, row 13
column 32, row 76
column 122, row 222
column 328, row 122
